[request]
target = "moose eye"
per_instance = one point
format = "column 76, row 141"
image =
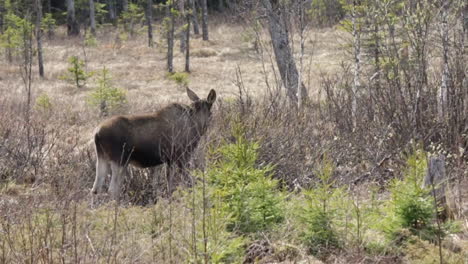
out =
column 202, row 106
column 198, row 105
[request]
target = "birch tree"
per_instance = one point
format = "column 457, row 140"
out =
column 38, row 7
column 462, row 44
column 277, row 27
column 445, row 79
column 302, row 30
column 357, row 60
column 169, row 25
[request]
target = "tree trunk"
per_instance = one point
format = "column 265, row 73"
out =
column 182, row 32
column 464, row 34
column 149, row 20
column 73, row 28
column 357, row 64
column 125, row 5
column 436, row 179
column 9, row 52
column 231, row 5
column 221, row 5
column 112, row 13
column 187, row 45
column 2, row 12
column 302, row 28
column 39, row 37
column 204, row 19
column 284, row 57
column 445, row 84
column 170, row 38
column 92, row 17
column 50, row 30
column 196, row 28
column 376, row 76
column 127, row 27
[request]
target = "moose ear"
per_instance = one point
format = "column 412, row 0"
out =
column 211, row 97
column 192, row 95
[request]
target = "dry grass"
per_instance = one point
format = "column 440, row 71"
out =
column 56, row 210
column 58, row 200
column 141, row 70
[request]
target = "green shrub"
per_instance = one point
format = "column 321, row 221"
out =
column 43, row 102
column 326, row 12
column 364, row 212
column 419, row 251
column 16, row 36
column 319, row 212
column 213, row 240
column 76, row 72
column 105, row 96
column 90, row 40
column 204, row 52
column 48, row 22
column 247, row 192
column 411, row 206
column 181, row 78
column 131, row 17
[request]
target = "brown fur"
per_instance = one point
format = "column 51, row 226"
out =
column 147, row 140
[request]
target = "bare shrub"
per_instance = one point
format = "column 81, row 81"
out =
column 25, row 144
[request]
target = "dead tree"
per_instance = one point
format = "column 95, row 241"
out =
column 281, row 46
column 436, row 176
column 436, row 180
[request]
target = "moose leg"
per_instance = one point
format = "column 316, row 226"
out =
column 116, row 181
column 169, row 171
column 183, row 166
column 102, row 169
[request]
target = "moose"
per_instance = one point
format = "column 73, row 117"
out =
column 147, row 140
